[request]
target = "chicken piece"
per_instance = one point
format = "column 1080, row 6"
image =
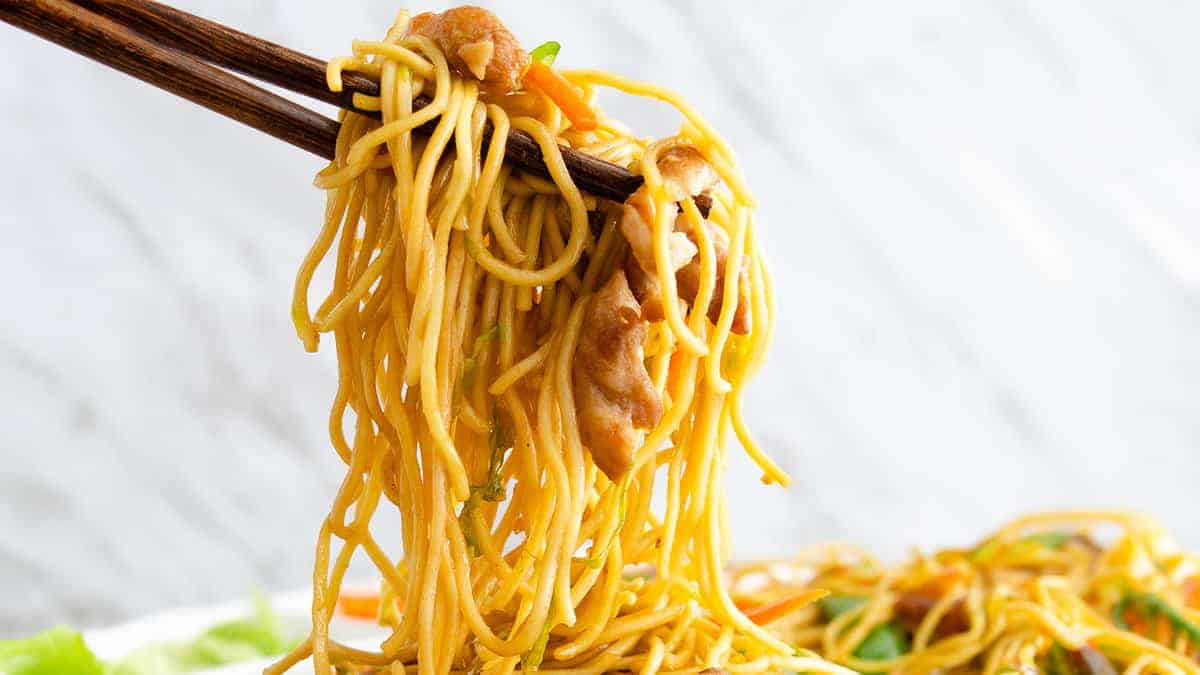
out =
column 912, row 606
column 687, row 285
column 687, row 281
column 476, row 44
column 614, row 395
column 685, row 173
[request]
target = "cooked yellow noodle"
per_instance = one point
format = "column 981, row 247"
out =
column 460, row 291
column 1018, row 598
column 460, row 288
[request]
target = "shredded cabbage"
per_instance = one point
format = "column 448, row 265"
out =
column 256, row 636
column 58, row 651
column 62, row 650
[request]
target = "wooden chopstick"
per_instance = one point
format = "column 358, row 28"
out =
column 115, row 45
column 153, row 41
column 231, row 48
column 303, row 74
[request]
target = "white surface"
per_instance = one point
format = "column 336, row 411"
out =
column 984, row 217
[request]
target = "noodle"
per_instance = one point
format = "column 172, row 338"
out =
column 462, row 291
column 1041, row 595
column 521, row 366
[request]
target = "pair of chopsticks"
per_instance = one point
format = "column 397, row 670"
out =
column 187, row 56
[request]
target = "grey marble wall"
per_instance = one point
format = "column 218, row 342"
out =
column 984, row 220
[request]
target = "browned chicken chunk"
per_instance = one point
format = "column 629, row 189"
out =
column 476, row 44
column 687, row 281
column 685, row 173
column 912, row 606
column 614, row 396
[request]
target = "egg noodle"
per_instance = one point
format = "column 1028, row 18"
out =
column 1086, row 593
column 462, row 291
column 460, row 287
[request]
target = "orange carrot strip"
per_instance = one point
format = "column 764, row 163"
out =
column 765, row 614
column 1162, row 633
column 1191, row 591
column 744, row 604
column 359, row 606
column 564, row 94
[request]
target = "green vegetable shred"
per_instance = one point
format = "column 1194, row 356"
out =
column 545, row 52
column 884, row 643
column 833, row 606
column 62, row 651
column 57, row 651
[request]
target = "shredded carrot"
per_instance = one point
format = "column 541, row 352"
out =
column 359, row 605
column 1191, row 591
column 1136, row 623
column 564, row 94
column 743, row 603
column 941, row 583
column 765, row 614
column 1163, row 631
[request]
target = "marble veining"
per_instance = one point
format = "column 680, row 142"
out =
column 985, row 227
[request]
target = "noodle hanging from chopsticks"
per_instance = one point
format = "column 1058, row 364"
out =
column 467, row 299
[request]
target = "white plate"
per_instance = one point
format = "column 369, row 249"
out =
column 186, row 623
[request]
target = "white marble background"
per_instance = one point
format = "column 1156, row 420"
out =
column 984, row 218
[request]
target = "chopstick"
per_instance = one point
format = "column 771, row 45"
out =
column 115, row 45
column 156, row 43
column 270, row 62
column 231, row 48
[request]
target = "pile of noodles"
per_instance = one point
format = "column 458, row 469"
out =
column 459, row 288
column 1087, row 593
